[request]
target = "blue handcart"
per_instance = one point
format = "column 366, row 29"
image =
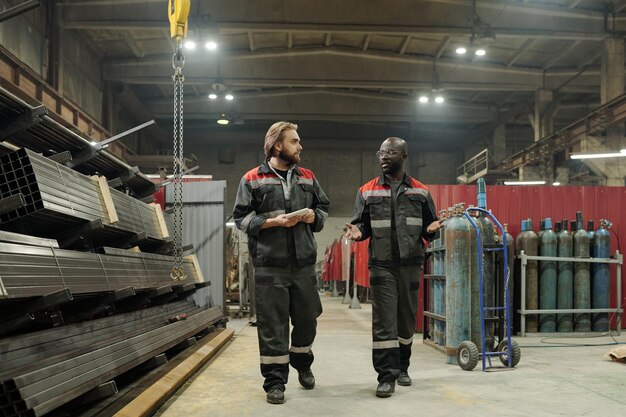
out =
column 467, row 353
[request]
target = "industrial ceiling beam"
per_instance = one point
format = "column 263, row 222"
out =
column 534, row 8
column 334, row 51
column 596, row 33
column 346, row 83
column 520, row 52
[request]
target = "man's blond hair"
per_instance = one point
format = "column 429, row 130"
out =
column 275, row 134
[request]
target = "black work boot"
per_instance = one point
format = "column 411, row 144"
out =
column 306, row 378
column 404, row 379
column 385, row 389
column 276, row 395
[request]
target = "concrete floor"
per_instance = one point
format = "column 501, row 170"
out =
column 550, row 380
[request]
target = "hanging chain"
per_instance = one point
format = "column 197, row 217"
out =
column 178, row 61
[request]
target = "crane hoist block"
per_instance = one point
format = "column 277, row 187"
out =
column 178, row 12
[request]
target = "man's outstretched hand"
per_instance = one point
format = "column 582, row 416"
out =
column 434, row 226
column 353, row 232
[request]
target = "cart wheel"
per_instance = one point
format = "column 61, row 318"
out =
column 515, row 356
column 467, row 355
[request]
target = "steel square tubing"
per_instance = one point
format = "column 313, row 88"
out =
column 49, row 376
column 27, row 240
column 141, row 357
column 77, row 346
column 25, row 341
column 116, row 356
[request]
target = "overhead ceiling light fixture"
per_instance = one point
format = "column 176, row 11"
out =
column 212, row 96
column 436, row 92
column 229, row 97
column 189, row 44
column 598, row 155
column 555, row 183
column 482, row 35
column 223, row 120
column 524, row 182
column 211, row 45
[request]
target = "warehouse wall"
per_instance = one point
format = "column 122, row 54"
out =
column 26, row 37
column 82, row 75
column 339, row 171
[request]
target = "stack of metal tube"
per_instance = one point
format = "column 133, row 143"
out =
column 55, row 199
column 45, row 370
column 27, row 271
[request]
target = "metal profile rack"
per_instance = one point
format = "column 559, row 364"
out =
column 29, row 271
column 54, row 201
column 41, row 390
column 618, row 310
column 41, row 133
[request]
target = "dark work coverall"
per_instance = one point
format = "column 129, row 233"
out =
column 284, row 265
column 396, row 223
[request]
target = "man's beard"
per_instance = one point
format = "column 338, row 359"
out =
column 290, row 159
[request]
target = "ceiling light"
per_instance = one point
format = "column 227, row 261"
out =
column 597, row 155
column 480, row 52
column 439, row 99
column 423, row 99
column 189, row 44
column 556, row 183
column 524, row 182
column 211, row 45
column 212, row 96
column 229, row 97
column 623, row 150
column 461, row 50
column 223, row 120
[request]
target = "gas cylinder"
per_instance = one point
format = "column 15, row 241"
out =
column 530, row 246
column 591, row 232
column 458, row 270
column 582, row 283
column 547, row 278
column 600, row 279
column 565, row 280
column 542, row 226
column 518, row 238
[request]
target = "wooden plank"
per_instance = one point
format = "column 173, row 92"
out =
column 159, row 215
column 196, row 265
column 152, row 398
column 105, row 196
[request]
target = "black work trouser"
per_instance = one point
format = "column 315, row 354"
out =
column 394, row 307
column 281, row 294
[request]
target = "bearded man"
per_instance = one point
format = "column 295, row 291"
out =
column 284, row 253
